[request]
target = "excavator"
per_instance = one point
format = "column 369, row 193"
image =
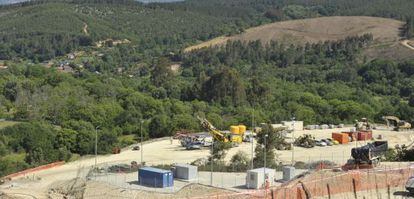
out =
column 218, row 135
column 399, row 125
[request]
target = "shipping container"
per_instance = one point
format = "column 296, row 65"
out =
column 155, row 177
column 257, row 178
column 352, row 136
column 364, row 135
column 185, row 172
column 342, row 138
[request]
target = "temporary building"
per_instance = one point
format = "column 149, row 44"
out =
column 257, row 178
column 185, row 172
column 155, row 177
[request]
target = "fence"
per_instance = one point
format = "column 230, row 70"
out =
column 28, row 171
column 374, row 183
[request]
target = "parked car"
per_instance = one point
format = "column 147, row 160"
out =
column 320, row 143
column 327, row 142
column 136, row 148
column 193, row 147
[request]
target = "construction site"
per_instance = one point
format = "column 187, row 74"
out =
column 314, row 161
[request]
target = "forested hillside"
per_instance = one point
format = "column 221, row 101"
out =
column 149, row 78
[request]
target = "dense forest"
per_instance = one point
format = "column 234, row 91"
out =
column 114, row 89
column 41, row 30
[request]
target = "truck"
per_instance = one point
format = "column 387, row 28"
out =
column 367, row 156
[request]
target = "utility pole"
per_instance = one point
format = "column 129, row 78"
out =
column 212, row 158
column 293, row 141
column 264, row 165
column 252, row 140
column 96, row 147
column 142, row 139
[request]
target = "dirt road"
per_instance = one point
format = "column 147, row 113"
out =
column 406, row 43
column 85, row 28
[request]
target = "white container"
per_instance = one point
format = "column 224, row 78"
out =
column 257, row 178
column 186, row 172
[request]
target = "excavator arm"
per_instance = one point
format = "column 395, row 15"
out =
column 388, row 119
column 212, row 130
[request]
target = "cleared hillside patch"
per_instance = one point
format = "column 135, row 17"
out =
column 316, row 30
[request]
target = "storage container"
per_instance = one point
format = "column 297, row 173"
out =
column 234, row 129
column 185, row 172
column 352, row 136
column 342, row 138
column 257, row 178
column 154, row 177
column 288, row 173
column 242, row 129
column 364, row 135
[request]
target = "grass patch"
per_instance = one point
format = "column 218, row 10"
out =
column 4, row 124
column 15, row 157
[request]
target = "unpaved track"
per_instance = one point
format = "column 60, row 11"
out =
column 85, row 28
column 406, row 43
column 163, row 152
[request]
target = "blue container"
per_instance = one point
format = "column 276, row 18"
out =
column 154, row 177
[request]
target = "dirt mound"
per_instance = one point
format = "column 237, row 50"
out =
column 315, row 30
column 68, row 189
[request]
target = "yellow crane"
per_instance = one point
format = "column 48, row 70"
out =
column 218, row 135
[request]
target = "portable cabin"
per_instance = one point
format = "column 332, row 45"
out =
column 154, row 177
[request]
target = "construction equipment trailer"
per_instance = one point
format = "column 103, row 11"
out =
column 367, row 156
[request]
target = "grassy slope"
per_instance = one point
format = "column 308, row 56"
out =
column 316, row 30
column 385, row 32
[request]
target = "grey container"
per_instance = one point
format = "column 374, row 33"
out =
column 185, row 172
column 288, row 173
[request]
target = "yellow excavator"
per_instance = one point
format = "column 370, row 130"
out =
column 399, row 125
column 218, row 135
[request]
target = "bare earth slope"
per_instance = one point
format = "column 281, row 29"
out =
column 315, row 30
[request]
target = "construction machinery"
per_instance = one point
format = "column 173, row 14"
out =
column 306, row 141
column 396, row 123
column 367, row 156
column 363, row 125
column 196, row 141
column 218, row 135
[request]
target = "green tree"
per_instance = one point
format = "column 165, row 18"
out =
column 161, row 72
column 225, row 87
column 160, row 126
